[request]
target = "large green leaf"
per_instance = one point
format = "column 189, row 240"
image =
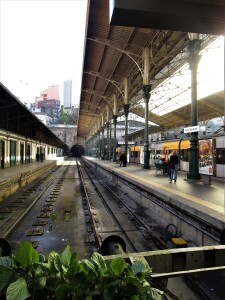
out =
column 66, row 256
column 52, row 283
column 89, row 266
column 132, row 280
column 74, row 268
column 40, row 277
column 74, row 257
column 118, row 265
column 57, row 262
column 41, row 282
column 41, row 258
column 99, row 261
column 26, row 255
column 18, row 290
column 5, row 277
column 62, row 291
column 52, row 258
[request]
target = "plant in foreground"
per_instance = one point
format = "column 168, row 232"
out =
column 27, row 275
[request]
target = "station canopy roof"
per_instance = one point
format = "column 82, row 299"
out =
column 15, row 117
column 114, row 52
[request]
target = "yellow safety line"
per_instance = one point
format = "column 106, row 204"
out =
column 188, row 197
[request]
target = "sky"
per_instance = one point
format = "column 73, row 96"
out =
column 41, row 44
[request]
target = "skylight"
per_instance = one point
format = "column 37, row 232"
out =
column 175, row 92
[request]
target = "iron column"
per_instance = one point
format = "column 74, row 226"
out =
column 115, row 141
column 102, row 151
column 99, row 146
column 194, row 47
column 146, row 92
column 126, row 112
column 107, row 141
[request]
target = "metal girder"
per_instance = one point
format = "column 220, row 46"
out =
column 180, row 261
column 189, row 16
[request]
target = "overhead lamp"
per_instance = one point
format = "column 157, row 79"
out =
column 193, row 36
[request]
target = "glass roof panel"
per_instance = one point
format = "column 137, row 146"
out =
column 175, row 92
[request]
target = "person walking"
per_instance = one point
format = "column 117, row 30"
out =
column 173, row 165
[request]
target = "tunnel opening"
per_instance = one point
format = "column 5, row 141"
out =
column 77, row 151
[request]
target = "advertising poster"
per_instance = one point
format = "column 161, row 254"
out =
column 142, row 155
column 205, row 157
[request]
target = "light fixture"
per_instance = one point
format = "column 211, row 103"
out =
column 193, row 36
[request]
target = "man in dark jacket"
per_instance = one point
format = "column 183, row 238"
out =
column 173, row 164
column 123, row 160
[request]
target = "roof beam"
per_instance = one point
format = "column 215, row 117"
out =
column 187, row 15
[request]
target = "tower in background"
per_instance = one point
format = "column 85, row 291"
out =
column 67, row 93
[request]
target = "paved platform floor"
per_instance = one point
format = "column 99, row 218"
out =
column 8, row 173
column 198, row 194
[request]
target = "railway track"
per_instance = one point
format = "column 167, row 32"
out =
column 27, row 214
column 161, row 237
column 52, row 212
column 137, row 231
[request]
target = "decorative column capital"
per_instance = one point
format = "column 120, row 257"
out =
column 194, row 47
column 114, row 119
column 146, row 91
column 126, row 109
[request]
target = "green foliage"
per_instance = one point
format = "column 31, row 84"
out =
column 27, row 275
column 120, row 280
column 22, row 274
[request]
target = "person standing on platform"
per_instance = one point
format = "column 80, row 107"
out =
column 173, row 165
column 164, row 165
column 123, row 160
column 37, row 156
column 42, row 157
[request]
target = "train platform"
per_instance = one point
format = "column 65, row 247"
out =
column 16, row 177
column 195, row 196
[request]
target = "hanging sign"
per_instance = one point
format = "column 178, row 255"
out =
column 191, row 129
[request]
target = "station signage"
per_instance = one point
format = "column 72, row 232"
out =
column 191, row 129
column 123, row 143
